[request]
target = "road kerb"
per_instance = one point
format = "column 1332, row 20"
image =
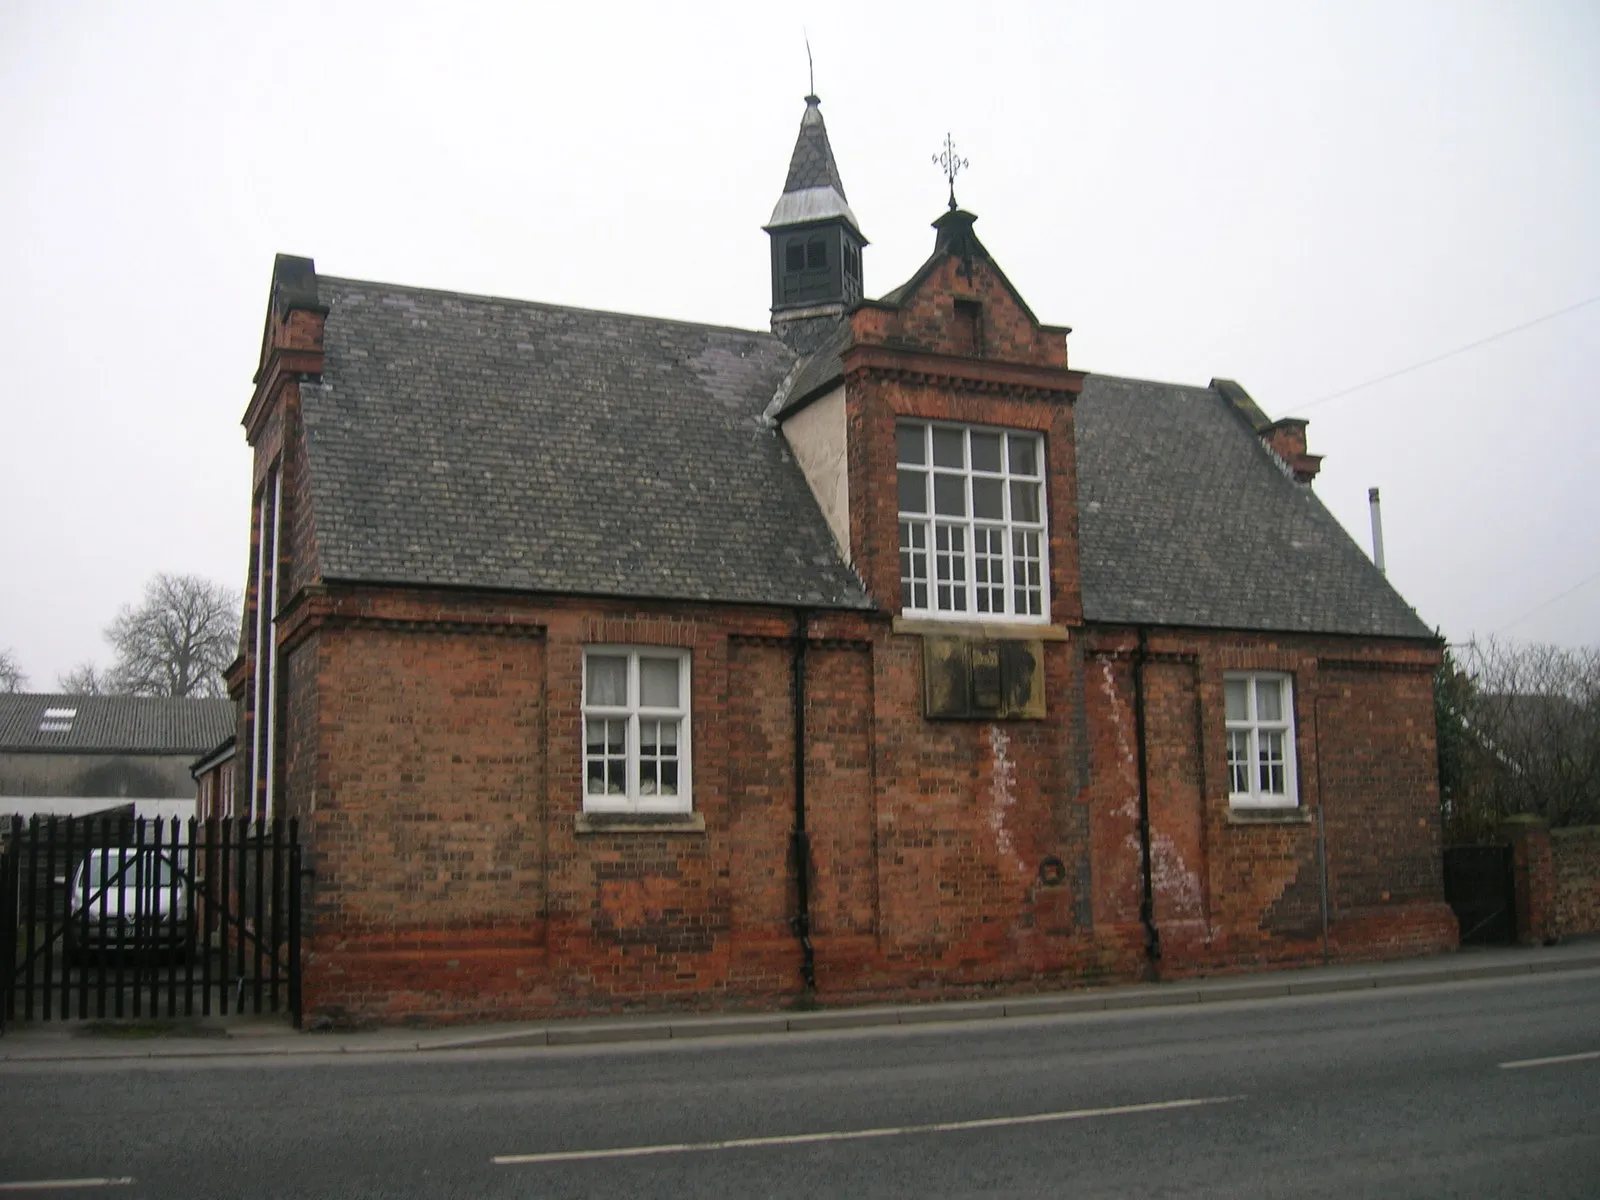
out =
column 1158, row 996
column 260, row 1045
column 982, row 1010
column 1571, row 964
column 1050, row 1006
column 539, row 1036
column 582, row 1035
column 1316, row 987
column 730, row 1026
column 1257, row 990
column 843, row 1018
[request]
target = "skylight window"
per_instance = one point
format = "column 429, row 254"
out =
column 57, row 720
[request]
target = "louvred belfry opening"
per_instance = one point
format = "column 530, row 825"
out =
column 816, row 241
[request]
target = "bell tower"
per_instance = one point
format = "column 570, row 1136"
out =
column 816, row 242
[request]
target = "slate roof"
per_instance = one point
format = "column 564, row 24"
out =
column 114, row 724
column 813, row 191
column 471, row 441
column 477, row 442
column 812, row 163
column 1186, row 519
column 820, row 371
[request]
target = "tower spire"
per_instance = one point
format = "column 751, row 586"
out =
column 816, row 240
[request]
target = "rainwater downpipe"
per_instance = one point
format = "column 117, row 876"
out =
column 1322, row 822
column 802, row 844
column 1147, row 905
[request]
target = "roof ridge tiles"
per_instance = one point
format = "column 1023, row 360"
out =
column 1113, row 377
column 546, row 305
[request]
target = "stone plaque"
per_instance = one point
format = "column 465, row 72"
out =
column 982, row 679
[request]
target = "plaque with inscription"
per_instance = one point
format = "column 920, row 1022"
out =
column 982, row 679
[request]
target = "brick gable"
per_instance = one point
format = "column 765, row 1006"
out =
column 956, row 344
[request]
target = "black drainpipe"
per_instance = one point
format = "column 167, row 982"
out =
column 1147, row 906
column 802, row 844
column 1322, row 819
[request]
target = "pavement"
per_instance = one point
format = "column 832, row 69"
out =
column 258, row 1036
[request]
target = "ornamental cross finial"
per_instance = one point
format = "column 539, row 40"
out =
column 952, row 164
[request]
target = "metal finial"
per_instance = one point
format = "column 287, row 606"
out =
column 811, row 69
column 953, row 165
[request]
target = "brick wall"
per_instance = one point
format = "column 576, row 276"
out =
column 1232, row 887
column 1533, row 899
column 949, row 857
column 452, row 877
column 1575, row 859
column 431, row 745
column 765, row 957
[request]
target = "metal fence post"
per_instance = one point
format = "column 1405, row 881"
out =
column 8, row 922
column 295, row 882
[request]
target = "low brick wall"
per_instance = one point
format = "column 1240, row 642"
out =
column 1575, row 859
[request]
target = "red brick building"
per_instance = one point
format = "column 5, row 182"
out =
column 612, row 662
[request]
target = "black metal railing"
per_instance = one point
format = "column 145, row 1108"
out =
column 118, row 918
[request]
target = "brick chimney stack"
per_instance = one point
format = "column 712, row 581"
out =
column 1286, row 437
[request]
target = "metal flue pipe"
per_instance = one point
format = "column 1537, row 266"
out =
column 1377, row 529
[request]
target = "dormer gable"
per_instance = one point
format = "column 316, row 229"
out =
column 935, row 430
column 960, row 303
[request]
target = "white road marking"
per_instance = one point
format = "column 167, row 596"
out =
column 849, row 1135
column 1549, row 1062
column 60, row 1185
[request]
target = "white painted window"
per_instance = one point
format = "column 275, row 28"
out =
column 636, row 748
column 263, row 749
column 1260, row 717
column 973, row 536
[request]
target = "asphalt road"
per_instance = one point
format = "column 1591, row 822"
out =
column 1388, row 1093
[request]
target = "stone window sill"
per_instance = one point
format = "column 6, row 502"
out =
column 1269, row 816
column 623, row 822
column 992, row 631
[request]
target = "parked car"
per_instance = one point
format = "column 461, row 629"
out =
column 133, row 901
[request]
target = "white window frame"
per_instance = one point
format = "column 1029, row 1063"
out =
column 930, row 542
column 1254, row 733
column 632, row 713
column 263, row 756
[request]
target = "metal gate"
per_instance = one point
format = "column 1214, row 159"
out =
column 1479, row 886
column 117, row 918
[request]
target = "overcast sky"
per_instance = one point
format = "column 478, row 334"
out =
column 1302, row 197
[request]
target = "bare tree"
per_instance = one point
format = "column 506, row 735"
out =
column 86, row 679
column 1534, row 720
column 12, row 677
column 178, row 641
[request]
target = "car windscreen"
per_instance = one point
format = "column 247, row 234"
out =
column 128, row 872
